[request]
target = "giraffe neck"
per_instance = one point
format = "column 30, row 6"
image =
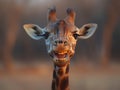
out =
column 61, row 78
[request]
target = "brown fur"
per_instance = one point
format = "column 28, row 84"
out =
column 60, row 78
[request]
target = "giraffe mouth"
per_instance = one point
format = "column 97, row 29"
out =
column 60, row 55
column 61, row 59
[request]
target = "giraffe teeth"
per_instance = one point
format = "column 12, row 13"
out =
column 60, row 55
column 60, row 58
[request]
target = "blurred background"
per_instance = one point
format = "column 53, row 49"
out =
column 24, row 62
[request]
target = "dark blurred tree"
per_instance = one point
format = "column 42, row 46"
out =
column 113, row 14
column 13, row 12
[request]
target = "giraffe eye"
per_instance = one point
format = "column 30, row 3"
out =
column 75, row 35
column 45, row 35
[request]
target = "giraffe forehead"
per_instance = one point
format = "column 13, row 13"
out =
column 60, row 24
column 63, row 27
column 59, row 21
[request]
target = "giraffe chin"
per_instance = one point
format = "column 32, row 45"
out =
column 61, row 59
column 61, row 63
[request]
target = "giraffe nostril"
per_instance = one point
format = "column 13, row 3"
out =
column 55, row 43
column 65, row 42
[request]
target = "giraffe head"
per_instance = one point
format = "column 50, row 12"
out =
column 60, row 35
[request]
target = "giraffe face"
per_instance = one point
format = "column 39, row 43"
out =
column 61, row 41
column 60, row 35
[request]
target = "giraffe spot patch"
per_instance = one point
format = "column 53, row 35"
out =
column 60, row 72
column 64, row 83
column 54, row 74
column 57, row 81
column 67, row 69
column 53, row 85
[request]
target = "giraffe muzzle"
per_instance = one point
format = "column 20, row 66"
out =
column 61, row 55
column 61, row 59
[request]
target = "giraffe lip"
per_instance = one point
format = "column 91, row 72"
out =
column 60, row 61
column 61, row 58
column 60, row 55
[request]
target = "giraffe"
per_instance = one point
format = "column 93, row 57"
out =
column 60, row 37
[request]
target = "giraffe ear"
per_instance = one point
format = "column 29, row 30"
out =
column 34, row 31
column 87, row 30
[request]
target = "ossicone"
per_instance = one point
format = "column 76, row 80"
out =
column 70, row 15
column 51, row 14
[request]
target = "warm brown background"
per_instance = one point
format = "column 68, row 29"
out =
column 25, row 64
